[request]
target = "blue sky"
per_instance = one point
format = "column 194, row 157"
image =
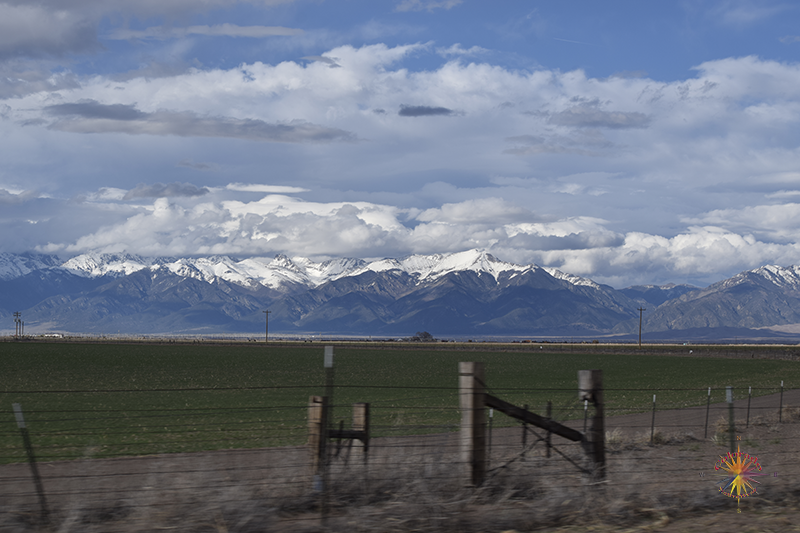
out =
column 626, row 141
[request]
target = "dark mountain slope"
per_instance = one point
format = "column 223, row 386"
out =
column 153, row 302
column 750, row 299
column 656, row 295
column 26, row 291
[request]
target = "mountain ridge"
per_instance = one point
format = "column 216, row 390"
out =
column 470, row 293
column 269, row 272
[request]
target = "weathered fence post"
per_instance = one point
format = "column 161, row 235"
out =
column 473, row 421
column 317, row 435
column 361, row 423
column 708, row 408
column 590, row 387
column 780, row 407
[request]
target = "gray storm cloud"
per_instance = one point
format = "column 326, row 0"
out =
column 141, row 7
column 60, row 27
column 582, row 142
column 587, row 117
column 423, row 111
column 91, row 109
column 426, row 5
column 188, row 163
column 217, row 30
column 18, row 78
column 31, row 30
column 331, row 62
column 9, row 198
column 89, row 116
column 160, row 190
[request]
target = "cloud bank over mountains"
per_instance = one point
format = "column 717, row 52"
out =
column 382, row 150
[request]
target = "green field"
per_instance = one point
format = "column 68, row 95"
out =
column 100, row 400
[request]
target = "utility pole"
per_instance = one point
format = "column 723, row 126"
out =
column 17, row 321
column 266, row 326
column 641, row 310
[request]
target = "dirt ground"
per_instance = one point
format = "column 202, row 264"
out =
column 416, row 483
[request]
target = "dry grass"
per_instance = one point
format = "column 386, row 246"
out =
column 790, row 414
column 404, row 490
column 618, row 441
column 422, row 496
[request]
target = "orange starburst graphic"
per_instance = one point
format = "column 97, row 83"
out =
column 740, row 468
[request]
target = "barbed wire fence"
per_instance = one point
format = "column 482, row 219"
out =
column 186, row 459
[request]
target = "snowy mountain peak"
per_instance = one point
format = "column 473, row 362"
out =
column 282, row 261
column 430, row 267
column 319, row 273
column 787, row 278
column 277, row 273
column 571, row 278
column 96, row 265
column 474, row 260
column 14, row 266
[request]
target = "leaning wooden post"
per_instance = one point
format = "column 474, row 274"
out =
column 473, row 421
column 590, row 387
column 361, row 423
column 317, row 435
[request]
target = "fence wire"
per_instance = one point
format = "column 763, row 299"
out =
column 189, row 459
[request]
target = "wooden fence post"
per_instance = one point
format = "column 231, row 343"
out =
column 473, row 421
column 590, row 387
column 317, row 432
column 361, row 423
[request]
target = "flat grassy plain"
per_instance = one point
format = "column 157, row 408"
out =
column 104, row 400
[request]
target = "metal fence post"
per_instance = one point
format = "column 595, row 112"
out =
column 585, row 414
column 749, row 395
column 653, row 422
column 708, row 407
column 731, row 421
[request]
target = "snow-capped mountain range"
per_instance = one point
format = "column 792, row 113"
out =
column 466, row 293
column 272, row 273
